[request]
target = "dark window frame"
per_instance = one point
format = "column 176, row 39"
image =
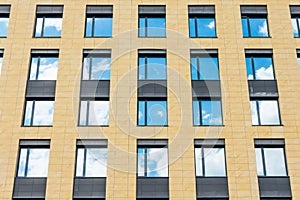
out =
column 44, row 16
column 5, row 15
column 94, row 16
column 248, row 17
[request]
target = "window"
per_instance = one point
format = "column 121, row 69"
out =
column 98, row 21
column 1, row 59
column 38, row 113
column 152, row 113
column 4, row 18
column 254, row 21
column 152, row 65
column 91, row 158
column 210, row 159
column 207, row 112
column 152, row 160
column 270, row 159
column 265, row 112
column 96, row 65
column 48, row 21
column 94, row 113
column 259, row 67
column 298, row 58
column 202, row 21
column 44, row 65
column 205, row 66
column 152, row 21
column 295, row 14
column 33, row 158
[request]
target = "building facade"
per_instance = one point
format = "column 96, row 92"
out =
column 149, row 99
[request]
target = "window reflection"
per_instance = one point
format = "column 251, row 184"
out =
column 255, row 27
column 260, row 68
column 202, row 27
column 94, row 113
column 207, row 112
column 204, row 68
column 153, row 162
column 38, row 113
column 48, row 27
column 3, row 26
column 96, row 68
column 43, row 68
column 97, row 26
column 152, row 68
column 152, row 113
column 33, row 162
column 265, row 112
column 152, row 27
column 296, row 26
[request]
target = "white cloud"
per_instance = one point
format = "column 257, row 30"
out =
column 99, row 113
column 211, row 25
column 96, row 162
column 43, row 113
column 269, row 114
column 38, row 163
column 214, row 162
column 158, row 162
column 263, row 29
column 48, row 71
column 49, row 22
column 264, row 73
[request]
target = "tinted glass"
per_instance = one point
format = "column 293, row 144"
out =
column 38, row 163
column 48, row 27
column 204, row 68
column 206, row 27
column 269, row 112
column 96, row 68
column 211, row 112
column 89, row 27
column 263, row 68
column 141, row 162
column 295, row 24
column 156, row 69
column 245, row 27
column 192, row 27
column 141, row 113
column 43, row 68
column 157, row 113
column 3, row 26
column 275, row 162
column 103, row 27
column 254, row 113
column 80, row 162
column 22, row 162
column 94, row 113
column 43, row 113
column 95, row 162
column 214, row 159
column 152, row 27
column 198, row 160
column 259, row 162
column 258, row 27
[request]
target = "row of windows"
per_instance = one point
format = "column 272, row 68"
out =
column 152, row 21
column 152, row 161
column 151, row 111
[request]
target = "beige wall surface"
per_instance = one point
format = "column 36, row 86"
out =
column 122, row 132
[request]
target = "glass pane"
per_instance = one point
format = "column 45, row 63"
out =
column 157, row 162
column 156, row 27
column 275, row 162
column 209, row 69
column 142, row 67
column 33, row 68
column 3, row 26
column 192, row 27
column 103, row 27
column 254, row 113
column 245, row 27
column 269, row 113
column 48, row 69
column 250, row 75
column 156, row 69
column 43, row 113
column 157, row 113
column 295, row 27
column 141, row 162
column 83, row 113
column 259, row 163
column 299, row 64
column 206, row 27
column 141, row 113
column 1, row 59
column 98, row 113
column 211, row 113
column 258, row 27
column 100, row 69
column 198, row 160
column 86, row 69
column 263, row 68
column 88, row 27
column 52, row 27
column 194, row 70
column 142, row 27
column 38, row 163
column 22, row 162
column 214, row 162
column 38, row 27
column 196, row 113
column 28, row 112
column 96, row 162
column 79, row 162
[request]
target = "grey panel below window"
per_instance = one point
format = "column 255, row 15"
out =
column 152, row 9
column 158, row 142
column 45, row 9
column 212, row 187
column 5, row 9
column 95, row 88
column 153, row 188
column 295, row 10
column 202, row 10
column 209, row 142
column 263, row 88
column 40, row 88
column 34, row 143
column 254, row 10
column 268, row 142
column 99, row 9
column 89, row 188
column 274, row 187
column 29, row 188
column 209, row 89
column 152, row 89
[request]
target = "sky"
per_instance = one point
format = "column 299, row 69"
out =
column 3, row 26
column 52, row 27
column 47, row 68
column 100, row 68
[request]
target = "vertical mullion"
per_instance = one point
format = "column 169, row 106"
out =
column 248, row 24
column 43, row 24
column 84, row 162
column 196, row 27
column 32, row 112
column 26, row 164
column 145, row 162
column 146, row 26
column 198, row 68
column 145, row 111
column 87, row 112
column 200, row 112
column 298, row 26
column 146, row 68
column 203, row 167
column 263, row 161
column 38, row 68
column 93, row 26
column 90, row 67
column 253, row 68
column 258, row 112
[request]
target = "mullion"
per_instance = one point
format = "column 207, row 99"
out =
column 196, row 27
column 200, row 111
column 248, row 24
column 38, row 68
column 203, row 165
column 146, row 26
column 146, row 68
column 43, row 24
column 93, row 26
column 145, row 162
column 32, row 112
column 258, row 112
column 90, row 68
column 87, row 112
column 253, row 68
column 198, row 67
column 263, row 161
column 298, row 27
column 145, row 111
column 26, row 164
column 84, row 162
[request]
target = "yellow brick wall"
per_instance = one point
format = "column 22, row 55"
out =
column 123, row 132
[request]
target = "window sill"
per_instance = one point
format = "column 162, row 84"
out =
column 209, row 125
column 98, row 37
column 257, row 37
column 38, row 126
column 49, row 37
column 204, row 37
column 264, row 125
column 153, row 37
column 93, row 125
column 152, row 125
column 3, row 37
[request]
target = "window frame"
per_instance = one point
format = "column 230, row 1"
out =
column 46, row 16
column 5, row 15
column 146, row 56
column 262, row 55
column 94, row 16
column 297, row 18
column 195, row 17
column 198, row 56
column 248, row 17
